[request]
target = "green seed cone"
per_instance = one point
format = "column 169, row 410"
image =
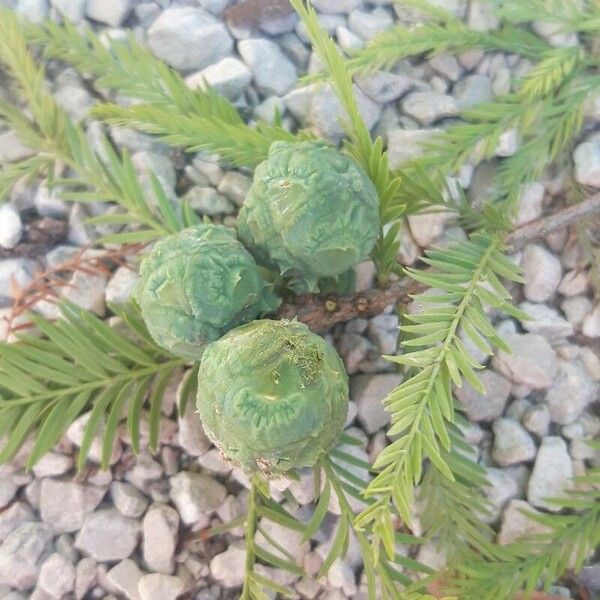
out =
column 198, row 284
column 272, row 396
column 311, row 212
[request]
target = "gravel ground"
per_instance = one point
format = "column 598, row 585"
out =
column 131, row 532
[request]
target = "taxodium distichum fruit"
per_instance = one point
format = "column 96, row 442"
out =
column 196, row 285
column 272, row 396
column 311, row 212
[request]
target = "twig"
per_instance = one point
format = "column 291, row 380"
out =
column 562, row 218
column 321, row 313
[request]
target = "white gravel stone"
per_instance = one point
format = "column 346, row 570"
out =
column 591, row 323
column 228, row 567
column 336, row 6
column 447, row 66
column 49, row 204
column 85, row 576
column 189, row 38
column 22, row 553
column 532, row 363
column 551, row 475
column 368, row 391
column 11, row 227
column 383, row 330
column 125, row 576
column 110, row 12
column 571, row 392
column 121, row 285
column 341, row 576
column 574, row 282
column 546, row 321
column 129, row 501
column 35, row 11
column 516, row 525
column 53, row 464
column 367, row 25
column 428, row 107
column 207, row 201
column 383, row 86
column 195, row 495
column 157, row 585
column 108, row 535
column 8, row 489
column 13, row 517
column 347, row 40
column 73, row 10
column 472, row 90
column 481, row 16
column 65, row 504
column 487, row 406
column 214, row 462
column 15, row 274
column 272, row 70
column 587, row 162
column 160, row 526
column 87, row 291
column 57, row 576
column 503, row 486
column 75, row 433
column 235, row 186
column 537, row 419
column 326, row 112
column 191, row 433
column 530, row 202
column 405, row 144
column 428, row 227
column 229, row 77
column 576, row 308
column 512, row 444
column 542, row 271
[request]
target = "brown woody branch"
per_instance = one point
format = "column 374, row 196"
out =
column 322, row 313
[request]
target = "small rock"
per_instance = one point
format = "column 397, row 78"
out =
column 228, row 567
column 368, row 391
column 35, row 11
column 428, row 227
column 65, row 504
column 512, row 444
column 406, row 144
column 589, row 576
column 189, row 38
column 503, row 486
column 326, row 112
column 108, row 535
column 516, row 525
column 52, row 464
column 473, row 90
column 15, row 274
column 542, row 271
column 111, row 13
column 207, row 201
column 574, row 283
column 447, row 66
column 8, row 489
column 341, row 576
column 367, row 25
column 383, row 86
column 533, row 362
column 428, row 107
column 336, row 6
column 191, row 433
column 530, row 202
column 481, row 16
column 229, row 78
column 125, row 576
column 354, row 349
column 160, row 527
column 121, row 285
column 576, row 308
column 130, row 502
column 537, row 419
column 87, row 290
column 195, row 495
column 157, row 585
column 347, row 40
column 591, row 323
column 587, row 162
column 49, row 204
column 487, row 406
column 235, row 186
column 272, row 71
column 551, row 475
column 22, row 554
column 13, row 517
column 213, row 461
column 11, row 228
column 383, row 330
column 571, row 392
column 57, row 576
column 546, row 321
column 75, row 433
column 147, row 161
column 73, row 10
column 85, row 576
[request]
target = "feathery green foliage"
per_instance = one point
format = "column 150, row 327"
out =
column 196, row 119
column 98, row 175
column 82, row 363
column 422, row 407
